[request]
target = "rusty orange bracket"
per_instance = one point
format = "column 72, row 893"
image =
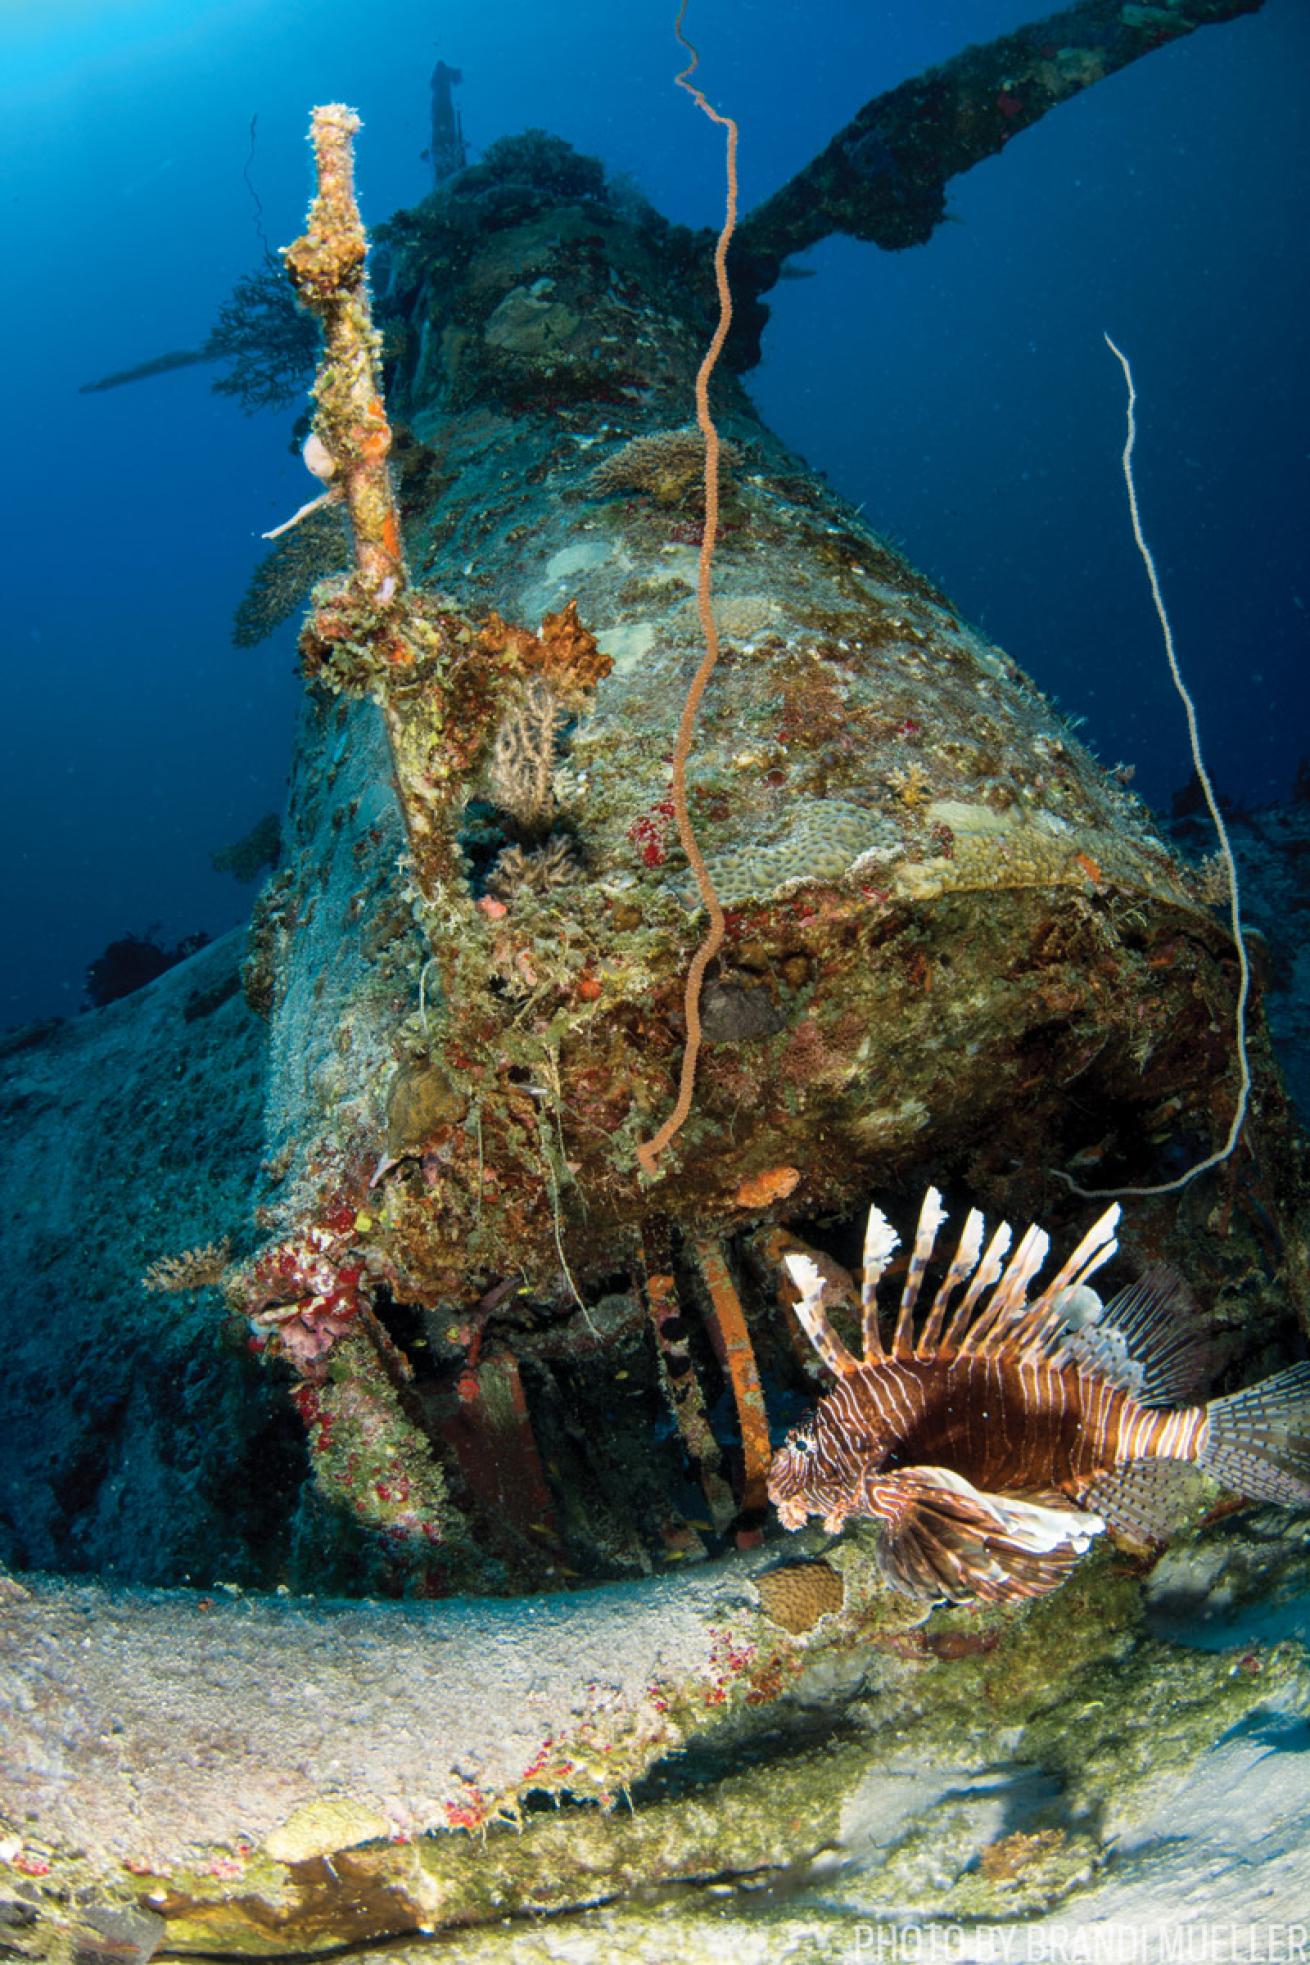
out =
column 732, row 1343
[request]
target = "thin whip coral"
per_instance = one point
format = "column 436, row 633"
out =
column 1225, row 844
column 648, row 1153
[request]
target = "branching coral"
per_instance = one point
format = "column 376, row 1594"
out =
column 564, row 654
column 200, row 1268
column 133, row 961
column 246, row 858
column 523, row 756
column 551, row 676
column 519, row 873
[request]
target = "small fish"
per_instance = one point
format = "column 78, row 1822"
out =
column 996, row 1441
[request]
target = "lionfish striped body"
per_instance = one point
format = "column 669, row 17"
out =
column 997, row 1436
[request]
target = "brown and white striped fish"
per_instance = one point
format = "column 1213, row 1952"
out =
column 994, row 1441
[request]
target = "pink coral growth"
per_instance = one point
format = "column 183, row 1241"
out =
column 307, row 1290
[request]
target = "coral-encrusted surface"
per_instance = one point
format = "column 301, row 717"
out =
column 273, row 1778
column 416, row 1718
column 942, row 915
column 955, row 949
column 953, row 946
column 134, row 1439
column 337, row 903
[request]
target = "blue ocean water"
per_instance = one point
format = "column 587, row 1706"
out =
column 960, row 392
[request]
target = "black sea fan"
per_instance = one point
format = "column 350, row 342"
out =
column 133, row 961
column 271, row 344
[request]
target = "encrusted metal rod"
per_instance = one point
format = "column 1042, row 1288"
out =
column 678, row 1373
column 351, row 433
column 365, row 631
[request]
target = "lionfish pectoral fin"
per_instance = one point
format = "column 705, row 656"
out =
column 1144, row 1499
column 943, row 1537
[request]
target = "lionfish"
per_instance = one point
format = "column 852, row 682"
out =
column 996, row 1440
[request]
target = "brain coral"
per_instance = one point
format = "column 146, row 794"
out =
column 823, row 839
column 797, row 1594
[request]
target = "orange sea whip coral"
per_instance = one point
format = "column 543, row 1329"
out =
column 648, row 1153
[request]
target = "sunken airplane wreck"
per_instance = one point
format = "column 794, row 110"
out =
column 524, row 1373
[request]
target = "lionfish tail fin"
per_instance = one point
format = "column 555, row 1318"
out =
column 1257, row 1442
column 943, row 1537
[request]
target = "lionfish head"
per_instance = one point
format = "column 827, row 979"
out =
column 804, row 1479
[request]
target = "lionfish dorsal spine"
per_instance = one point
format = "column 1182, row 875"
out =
column 1034, row 1329
column 963, row 1264
column 880, row 1243
column 988, row 1271
column 1095, row 1249
column 1010, row 1295
column 994, row 1311
column 1039, row 1328
column 931, row 1216
column 1004, row 1291
column 813, row 1318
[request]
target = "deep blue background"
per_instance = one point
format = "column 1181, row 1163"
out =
column 961, row 392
